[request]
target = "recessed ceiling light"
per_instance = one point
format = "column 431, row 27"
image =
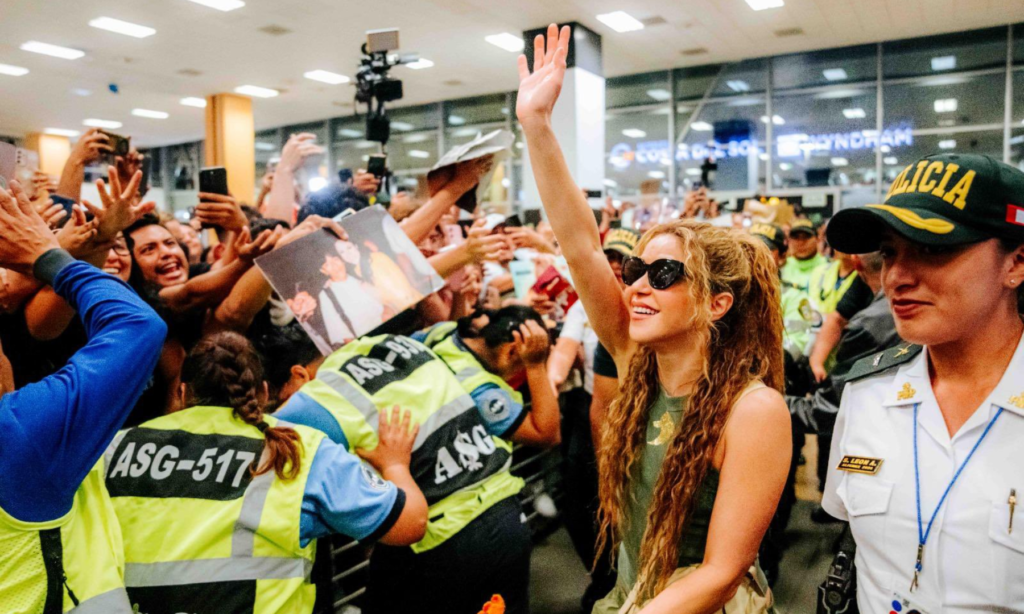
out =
column 420, row 64
column 350, row 133
column 656, row 175
column 621, row 21
column 62, row 132
column 760, row 5
column 366, row 144
column 415, row 138
column 659, row 94
column 835, row 74
column 325, row 76
column 785, row 166
column 402, row 126
column 701, row 127
column 891, row 160
column 14, row 71
column 456, row 120
column 122, row 27
column 738, row 85
column 150, row 114
column 221, row 5
column 418, row 153
column 857, row 113
column 199, row 103
column 946, row 105
column 52, row 50
column 611, row 183
column 507, row 41
column 947, row 123
column 945, row 62
column 840, row 162
column 255, row 90
column 102, row 123
column 634, row 133
column 79, row 91
column 947, row 144
column 776, row 119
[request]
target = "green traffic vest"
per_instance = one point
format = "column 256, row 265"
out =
column 798, row 318
column 823, row 292
column 467, row 368
column 72, row 564
column 461, row 469
column 798, row 272
column 198, row 528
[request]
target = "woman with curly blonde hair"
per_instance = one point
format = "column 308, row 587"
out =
column 696, row 448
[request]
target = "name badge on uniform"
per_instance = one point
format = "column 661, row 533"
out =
column 860, row 464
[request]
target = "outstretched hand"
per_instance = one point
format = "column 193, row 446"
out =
column 120, row 206
column 539, row 91
column 24, row 236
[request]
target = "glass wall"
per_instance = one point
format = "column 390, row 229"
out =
column 842, row 120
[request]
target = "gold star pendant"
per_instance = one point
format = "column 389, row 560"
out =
column 667, row 428
column 906, row 392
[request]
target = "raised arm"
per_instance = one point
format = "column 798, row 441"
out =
column 57, row 428
column 280, row 203
column 567, row 210
column 467, row 175
column 93, row 144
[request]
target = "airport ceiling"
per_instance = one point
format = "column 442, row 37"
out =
column 198, row 50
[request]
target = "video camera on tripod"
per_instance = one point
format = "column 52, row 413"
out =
column 374, row 84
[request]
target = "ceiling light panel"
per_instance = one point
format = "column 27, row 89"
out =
column 507, row 41
column 102, row 123
column 661, row 95
column 122, row 27
column 221, row 5
column 13, row 71
column 857, row 113
column 420, row 64
column 738, row 85
column 56, row 51
column 325, row 76
column 62, row 132
column 621, row 21
column 701, row 127
column 760, row 5
column 946, row 105
column 256, row 91
column 947, row 144
column 634, row 133
column 148, row 113
column 945, row 62
column 199, row 103
column 835, row 74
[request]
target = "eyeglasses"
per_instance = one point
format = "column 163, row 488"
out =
column 661, row 274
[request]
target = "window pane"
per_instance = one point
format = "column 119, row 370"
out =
column 829, row 67
column 349, row 127
column 268, row 146
column 412, row 150
column 409, row 119
column 945, row 53
column 732, row 132
column 989, row 142
column 743, row 77
column 635, row 90
column 1018, row 98
column 1017, row 148
column 944, row 102
column 637, row 150
column 480, row 110
column 692, row 83
column 1018, row 43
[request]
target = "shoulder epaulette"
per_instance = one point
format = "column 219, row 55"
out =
column 882, row 361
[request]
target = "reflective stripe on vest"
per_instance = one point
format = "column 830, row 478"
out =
column 111, row 602
column 198, row 528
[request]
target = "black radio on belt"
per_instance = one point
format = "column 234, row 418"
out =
column 838, row 593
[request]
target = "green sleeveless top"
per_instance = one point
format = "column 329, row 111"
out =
column 664, row 416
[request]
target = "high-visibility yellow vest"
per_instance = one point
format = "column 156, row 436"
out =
column 72, row 564
column 468, row 370
column 823, row 292
column 461, row 469
column 198, row 528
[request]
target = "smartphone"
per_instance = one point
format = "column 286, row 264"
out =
column 594, row 193
column 8, row 162
column 67, row 203
column 214, row 180
column 119, row 145
column 377, row 165
column 147, row 168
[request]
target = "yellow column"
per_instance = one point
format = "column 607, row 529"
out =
column 53, row 151
column 231, row 142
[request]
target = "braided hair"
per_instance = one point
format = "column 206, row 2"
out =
column 224, row 369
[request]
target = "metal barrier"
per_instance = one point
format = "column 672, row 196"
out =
column 341, row 578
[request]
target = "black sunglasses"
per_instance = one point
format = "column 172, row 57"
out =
column 661, row 274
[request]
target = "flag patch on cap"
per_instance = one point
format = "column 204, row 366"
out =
column 1015, row 215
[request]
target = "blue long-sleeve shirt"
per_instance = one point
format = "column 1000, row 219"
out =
column 52, row 432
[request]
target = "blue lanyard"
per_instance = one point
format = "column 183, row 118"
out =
column 922, row 532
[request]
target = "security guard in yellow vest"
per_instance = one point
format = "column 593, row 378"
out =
column 829, row 283
column 60, row 546
column 476, row 543
column 220, row 505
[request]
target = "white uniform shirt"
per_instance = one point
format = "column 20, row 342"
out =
column 577, row 327
column 972, row 563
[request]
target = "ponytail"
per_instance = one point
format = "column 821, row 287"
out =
column 224, row 370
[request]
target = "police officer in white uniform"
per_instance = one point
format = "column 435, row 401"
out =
column 927, row 461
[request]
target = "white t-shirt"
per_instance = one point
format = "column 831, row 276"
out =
column 972, row 562
column 577, row 327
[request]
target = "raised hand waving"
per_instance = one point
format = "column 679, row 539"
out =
column 539, row 90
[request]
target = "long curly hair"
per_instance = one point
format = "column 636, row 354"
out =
column 225, row 370
column 743, row 345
